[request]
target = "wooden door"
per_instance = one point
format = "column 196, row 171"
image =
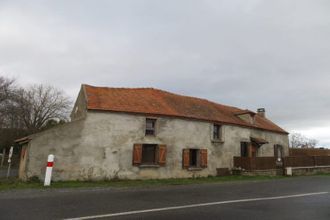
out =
column 253, row 150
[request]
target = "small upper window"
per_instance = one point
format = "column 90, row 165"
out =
column 216, row 132
column 150, row 126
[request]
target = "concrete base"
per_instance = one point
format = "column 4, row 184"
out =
column 295, row 171
column 300, row 171
column 273, row 172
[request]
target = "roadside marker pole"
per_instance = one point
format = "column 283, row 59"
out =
column 9, row 160
column 49, row 169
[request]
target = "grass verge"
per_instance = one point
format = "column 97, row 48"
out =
column 12, row 184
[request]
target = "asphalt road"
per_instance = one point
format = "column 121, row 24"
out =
column 289, row 198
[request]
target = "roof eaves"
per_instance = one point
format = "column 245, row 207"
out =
column 23, row 140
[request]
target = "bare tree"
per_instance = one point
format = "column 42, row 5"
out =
column 28, row 110
column 298, row 140
column 6, row 87
column 8, row 129
column 38, row 104
column 6, row 93
column 312, row 143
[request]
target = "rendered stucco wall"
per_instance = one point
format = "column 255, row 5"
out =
column 79, row 109
column 100, row 147
column 62, row 141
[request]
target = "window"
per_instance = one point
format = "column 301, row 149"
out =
column 216, row 132
column 194, row 158
column 244, row 149
column 150, row 126
column 149, row 154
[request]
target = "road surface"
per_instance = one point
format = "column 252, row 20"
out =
column 288, row 198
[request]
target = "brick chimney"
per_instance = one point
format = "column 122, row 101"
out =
column 261, row 112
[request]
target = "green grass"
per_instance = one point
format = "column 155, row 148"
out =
column 322, row 174
column 12, row 184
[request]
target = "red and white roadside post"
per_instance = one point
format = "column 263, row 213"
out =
column 49, row 169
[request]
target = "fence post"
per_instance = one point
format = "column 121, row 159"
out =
column 284, row 161
column 315, row 161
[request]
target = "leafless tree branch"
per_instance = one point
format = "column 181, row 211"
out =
column 28, row 110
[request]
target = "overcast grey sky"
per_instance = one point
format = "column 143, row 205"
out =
column 246, row 53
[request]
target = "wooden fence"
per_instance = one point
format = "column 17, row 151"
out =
column 255, row 163
column 267, row 163
column 294, row 152
column 306, row 161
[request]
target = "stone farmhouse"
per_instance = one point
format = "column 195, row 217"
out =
column 141, row 133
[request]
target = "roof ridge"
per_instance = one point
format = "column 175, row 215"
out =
column 107, row 87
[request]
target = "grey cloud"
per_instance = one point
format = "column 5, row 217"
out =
column 251, row 54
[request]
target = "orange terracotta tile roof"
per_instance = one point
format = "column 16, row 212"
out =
column 157, row 102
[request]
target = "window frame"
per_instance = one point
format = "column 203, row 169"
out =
column 155, row 146
column 197, row 158
column 153, row 129
column 219, row 138
column 216, row 134
column 159, row 157
column 200, row 161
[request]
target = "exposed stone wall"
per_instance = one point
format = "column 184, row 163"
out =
column 100, row 146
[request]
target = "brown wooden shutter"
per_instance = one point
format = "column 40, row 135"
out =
column 137, row 154
column 203, row 157
column 185, row 158
column 162, row 155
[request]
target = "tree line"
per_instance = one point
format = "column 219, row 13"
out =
column 30, row 109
